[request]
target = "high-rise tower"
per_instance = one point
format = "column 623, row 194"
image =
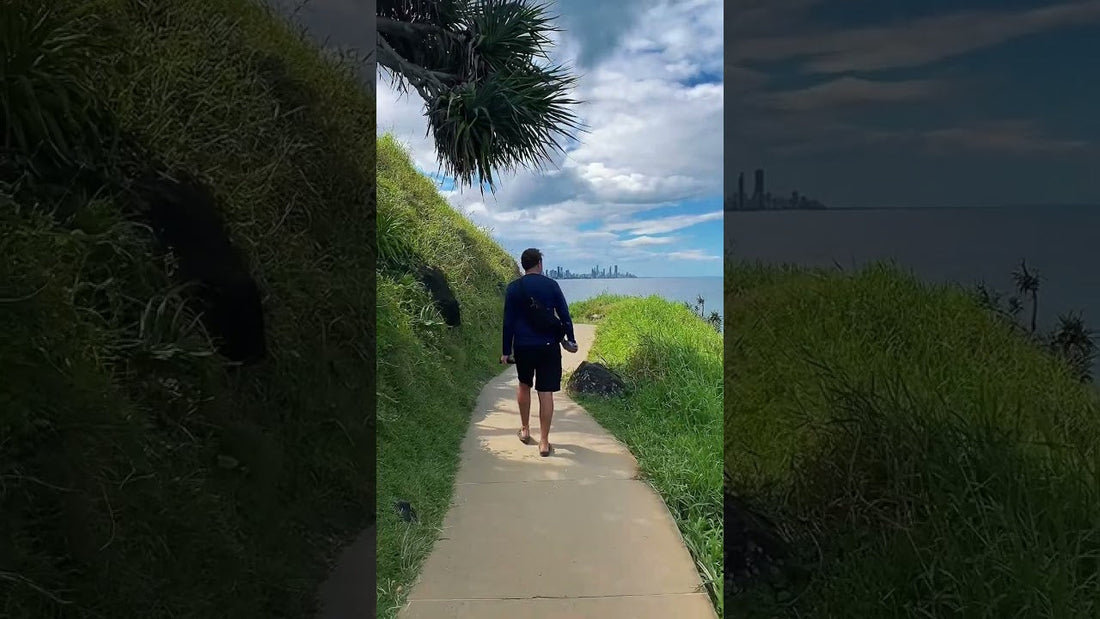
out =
column 741, row 191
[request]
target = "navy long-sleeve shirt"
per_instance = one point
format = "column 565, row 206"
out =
column 517, row 328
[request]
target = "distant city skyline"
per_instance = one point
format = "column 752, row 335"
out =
column 915, row 104
column 595, row 272
column 762, row 200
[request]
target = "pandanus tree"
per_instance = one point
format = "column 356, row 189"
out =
column 1070, row 339
column 1027, row 284
column 715, row 320
column 1075, row 343
column 493, row 98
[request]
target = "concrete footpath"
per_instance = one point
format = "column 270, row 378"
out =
column 569, row 536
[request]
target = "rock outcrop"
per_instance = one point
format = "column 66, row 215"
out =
column 184, row 215
column 754, row 552
column 435, row 281
column 597, row 379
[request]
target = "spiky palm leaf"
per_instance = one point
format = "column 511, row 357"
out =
column 1076, row 343
column 493, row 99
column 1014, row 306
column 1027, row 283
column 715, row 320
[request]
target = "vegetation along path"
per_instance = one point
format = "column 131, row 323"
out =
column 572, row 535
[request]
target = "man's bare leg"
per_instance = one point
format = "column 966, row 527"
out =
column 546, row 415
column 523, row 398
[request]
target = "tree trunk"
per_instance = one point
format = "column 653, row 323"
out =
column 427, row 81
column 1034, row 308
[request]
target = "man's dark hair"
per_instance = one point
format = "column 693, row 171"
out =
column 530, row 258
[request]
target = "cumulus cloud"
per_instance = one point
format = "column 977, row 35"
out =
column 848, row 91
column 402, row 115
column 692, row 254
column 992, row 139
column 746, row 19
column 600, row 25
column 912, row 43
column 664, row 225
column 643, row 241
column 1012, row 137
column 820, row 103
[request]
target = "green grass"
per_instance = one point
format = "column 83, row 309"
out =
column 141, row 474
column 671, row 417
column 922, row 457
column 429, row 375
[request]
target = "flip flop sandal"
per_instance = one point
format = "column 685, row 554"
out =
column 547, row 452
column 525, row 441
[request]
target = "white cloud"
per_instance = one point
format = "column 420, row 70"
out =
column 641, row 241
column 847, row 91
column 913, row 43
column 664, row 225
column 692, row 254
column 402, row 114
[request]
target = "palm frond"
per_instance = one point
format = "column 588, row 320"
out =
column 493, row 100
column 1026, row 281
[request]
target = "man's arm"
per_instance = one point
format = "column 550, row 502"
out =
column 509, row 322
column 563, row 313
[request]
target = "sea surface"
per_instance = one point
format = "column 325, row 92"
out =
column 671, row 288
column 962, row 245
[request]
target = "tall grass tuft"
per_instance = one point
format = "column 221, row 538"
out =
column 671, row 360
column 46, row 57
column 923, row 457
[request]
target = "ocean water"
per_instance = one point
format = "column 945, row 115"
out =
column 965, row 246
column 671, row 288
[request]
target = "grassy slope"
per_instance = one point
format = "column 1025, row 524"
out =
column 671, row 419
column 429, row 375
column 941, row 464
column 112, row 500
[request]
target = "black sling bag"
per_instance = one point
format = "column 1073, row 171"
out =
column 542, row 318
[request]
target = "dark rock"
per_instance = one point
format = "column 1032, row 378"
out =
column 597, row 379
column 754, row 552
column 436, row 282
column 405, row 511
column 184, row 216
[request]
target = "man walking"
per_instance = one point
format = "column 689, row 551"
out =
column 536, row 322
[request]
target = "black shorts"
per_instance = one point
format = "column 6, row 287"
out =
column 541, row 363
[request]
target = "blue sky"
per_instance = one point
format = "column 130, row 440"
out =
column 643, row 188
column 932, row 103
